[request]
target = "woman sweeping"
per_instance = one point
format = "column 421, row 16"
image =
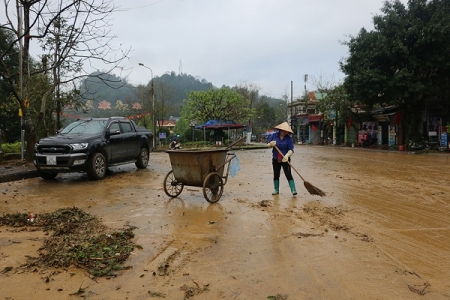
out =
column 285, row 144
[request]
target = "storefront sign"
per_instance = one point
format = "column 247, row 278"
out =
column 362, row 136
column 444, row 139
column 392, row 135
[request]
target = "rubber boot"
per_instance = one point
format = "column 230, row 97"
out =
column 292, row 186
column 276, row 187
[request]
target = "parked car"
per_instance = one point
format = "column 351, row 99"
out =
column 91, row 146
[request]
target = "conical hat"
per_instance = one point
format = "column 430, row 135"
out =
column 284, row 126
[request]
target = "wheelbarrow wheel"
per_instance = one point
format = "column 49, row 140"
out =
column 213, row 187
column 171, row 186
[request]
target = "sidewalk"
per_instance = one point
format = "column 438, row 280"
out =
column 16, row 169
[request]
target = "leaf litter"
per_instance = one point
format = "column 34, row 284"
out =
column 76, row 238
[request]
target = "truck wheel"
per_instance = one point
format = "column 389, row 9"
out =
column 142, row 160
column 97, row 167
column 47, row 175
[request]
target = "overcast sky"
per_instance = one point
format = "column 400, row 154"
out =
column 227, row 42
column 268, row 43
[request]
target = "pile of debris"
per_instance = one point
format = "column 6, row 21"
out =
column 77, row 239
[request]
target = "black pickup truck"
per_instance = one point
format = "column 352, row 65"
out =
column 93, row 145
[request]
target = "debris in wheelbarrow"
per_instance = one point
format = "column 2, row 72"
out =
column 205, row 168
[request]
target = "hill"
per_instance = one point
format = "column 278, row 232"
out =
column 104, row 95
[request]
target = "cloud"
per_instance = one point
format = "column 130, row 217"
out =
column 266, row 42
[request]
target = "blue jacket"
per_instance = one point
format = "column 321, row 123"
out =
column 285, row 145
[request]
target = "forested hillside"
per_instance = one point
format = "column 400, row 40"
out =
column 104, row 95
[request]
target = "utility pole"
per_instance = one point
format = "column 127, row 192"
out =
column 22, row 132
column 292, row 107
column 306, row 79
column 153, row 104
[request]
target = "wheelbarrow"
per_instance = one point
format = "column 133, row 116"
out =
column 207, row 169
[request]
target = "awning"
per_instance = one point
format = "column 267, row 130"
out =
column 220, row 124
column 383, row 117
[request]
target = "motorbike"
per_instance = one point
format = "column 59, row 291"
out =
column 420, row 145
column 175, row 146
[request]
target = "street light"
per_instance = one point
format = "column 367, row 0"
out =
column 192, row 124
column 153, row 104
column 305, row 78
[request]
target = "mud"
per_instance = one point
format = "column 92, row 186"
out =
column 379, row 233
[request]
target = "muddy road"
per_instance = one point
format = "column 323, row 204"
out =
column 381, row 232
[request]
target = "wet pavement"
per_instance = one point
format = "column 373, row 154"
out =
column 17, row 169
column 379, row 233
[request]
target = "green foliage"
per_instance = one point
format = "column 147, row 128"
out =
column 182, row 127
column 37, row 89
column 182, row 85
column 268, row 115
column 98, row 87
column 405, row 61
column 146, row 122
column 216, row 104
column 191, row 135
column 170, row 90
column 338, row 101
column 12, row 148
column 9, row 106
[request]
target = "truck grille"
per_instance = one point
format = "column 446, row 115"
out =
column 53, row 150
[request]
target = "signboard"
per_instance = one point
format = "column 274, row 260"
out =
column 380, row 137
column 444, row 139
column 362, row 136
column 162, row 135
column 392, row 139
column 392, row 135
column 331, row 114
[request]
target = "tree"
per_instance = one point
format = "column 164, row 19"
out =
column 144, row 97
column 182, row 84
column 216, row 104
column 249, row 91
column 405, row 61
column 73, row 33
column 9, row 118
column 267, row 117
column 164, row 99
column 338, row 101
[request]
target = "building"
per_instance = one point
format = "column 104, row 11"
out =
column 306, row 119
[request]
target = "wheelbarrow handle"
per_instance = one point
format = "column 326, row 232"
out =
column 235, row 142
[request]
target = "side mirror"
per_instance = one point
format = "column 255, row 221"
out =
column 114, row 132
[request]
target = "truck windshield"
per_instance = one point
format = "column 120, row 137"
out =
column 85, row 127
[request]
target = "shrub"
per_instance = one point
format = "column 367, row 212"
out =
column 12, row 148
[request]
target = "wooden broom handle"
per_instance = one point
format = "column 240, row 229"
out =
column 281, row 153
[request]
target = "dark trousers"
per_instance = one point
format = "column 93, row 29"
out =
column 277, row 169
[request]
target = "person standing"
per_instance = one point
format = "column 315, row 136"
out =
column 285, row 143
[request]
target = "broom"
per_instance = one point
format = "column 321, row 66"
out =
column 311, row 188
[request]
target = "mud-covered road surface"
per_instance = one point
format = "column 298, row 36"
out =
column 381, row 232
